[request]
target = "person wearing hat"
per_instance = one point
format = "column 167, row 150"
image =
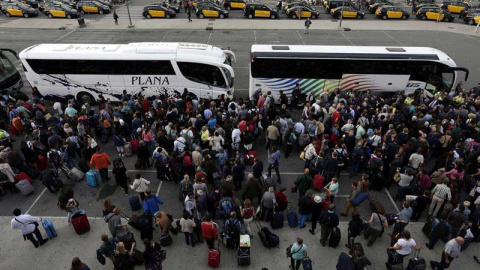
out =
column 316, row 207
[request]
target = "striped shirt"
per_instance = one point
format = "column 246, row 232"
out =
column 441, row 190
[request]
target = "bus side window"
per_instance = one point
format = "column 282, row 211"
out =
column 202, row 73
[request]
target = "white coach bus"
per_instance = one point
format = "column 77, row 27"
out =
column 323, row 69
column 88, row 70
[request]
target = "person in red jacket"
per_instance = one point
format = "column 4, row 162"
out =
column 282, row 200
column 101, row 161
column 209, row 231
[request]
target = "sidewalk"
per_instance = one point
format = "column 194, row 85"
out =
column 242, row 24
column 17, row 254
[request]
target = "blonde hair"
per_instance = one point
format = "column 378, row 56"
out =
column 120, row 248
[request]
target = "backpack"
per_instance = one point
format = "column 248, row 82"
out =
column 187, row 160
column 226, row 206
column 232, row 228
column 341, row 157
column 54, row 157
column 157, row 259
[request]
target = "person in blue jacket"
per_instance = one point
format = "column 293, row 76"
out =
column 151, row 202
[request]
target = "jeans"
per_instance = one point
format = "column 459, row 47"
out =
column 189, row 238
column 371, row 235
column 295, row 263
column 246, row 224
column 277, row 172
column 353, row 169
column 104, row 174
column 436, row 204
column 401, row 192
column 303, row 219
column 442, row 264
column 32, row 239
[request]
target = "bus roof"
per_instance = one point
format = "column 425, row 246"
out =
column 131, row 51
column 350, row 52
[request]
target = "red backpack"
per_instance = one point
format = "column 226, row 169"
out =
column 242, row 126
column 318, row 181
column 187, row 160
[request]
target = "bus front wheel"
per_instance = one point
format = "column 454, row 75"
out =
column 85, row 98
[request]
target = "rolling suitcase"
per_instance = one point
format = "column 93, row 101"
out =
column 80, row 223
column 133, row 221
column 417, row 262
column 146, row 228
column 427, row 228
column 307, row 263
column 93, row 178
column 128, row 149
column 277, row 220
column 214, row 257
column 376, row 206
column 76, row 174
column 292, row 217
column 262, row 235
column 135, row 203
column 49, row 228
column 23, row 176
column 243, row 256
column 25, row 187
column 335, row 237
column 166, row 240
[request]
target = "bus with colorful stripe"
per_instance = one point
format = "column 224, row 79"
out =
column 324, row 69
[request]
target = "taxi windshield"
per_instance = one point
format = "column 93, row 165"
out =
column 67, row 8
column 23, row 6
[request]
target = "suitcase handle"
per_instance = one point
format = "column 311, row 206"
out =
column 416, row 254
column 125, row 217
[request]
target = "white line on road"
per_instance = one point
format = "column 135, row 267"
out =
column 35, row 202
column 393, row 38
column 391, row 199
column 168, row 32
column 255, row 36
column 209, row 36
column 341, row 32
column 64, row 36
column 159, row 187
column 303, row 41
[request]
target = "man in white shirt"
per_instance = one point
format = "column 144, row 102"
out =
column 236, row 135
column 416, row 159
column 57, row 106
column 451, row 251
column 179, row 144
column 26, row 224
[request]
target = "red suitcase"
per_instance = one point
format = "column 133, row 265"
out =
column 214, row 258
column 80, row 223
column 42, row 163
column 23, row 176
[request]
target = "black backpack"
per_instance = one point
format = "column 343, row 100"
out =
column 232, row 228
column 123, row 263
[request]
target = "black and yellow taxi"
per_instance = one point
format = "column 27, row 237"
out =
column 333, row 4
column 293, row 4
column 373, row 7
column 67, row 3
column 472, row 17
column 259, row 10
column 92, row 6
column 391, row 12
column 234, row 4
column 19, row 10
column 211, row 12
column 302, row 12
column 105, row 3
column 158, row 11
column 61, row 11
column 432, row 13
column 455, row 7
column 32, row 3
column 167, row 5
column 347, row 12
column 204, row 4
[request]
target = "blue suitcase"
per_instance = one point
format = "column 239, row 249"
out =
column 49, row 228
column 135, row 203
column 277, row 220
column 93, row 178
column 292, row 217
column 307, row 263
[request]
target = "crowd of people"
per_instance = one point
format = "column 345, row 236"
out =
column 206, row 146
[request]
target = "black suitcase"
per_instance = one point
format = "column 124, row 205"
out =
column 133, row 221
column 277, row 220
column 243, row 256
column 135, row 203
column 417, row 262
column 166, row 240
column 83, row 165
column 427, row 228
column 262, row 236
column 335, row 237
column 138, row 257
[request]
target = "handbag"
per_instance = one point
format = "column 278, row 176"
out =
column 302, row 155
column 289, row 251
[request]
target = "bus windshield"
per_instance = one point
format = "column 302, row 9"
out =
column 229, row 76
column 6, row 67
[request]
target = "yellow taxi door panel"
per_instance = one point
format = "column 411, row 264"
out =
column 391, row 14
column 306, row 14
column 237, row 5
column 213, row 13
column 476, row 19
column 95, row 9
column 15, row 12
column 157, row 13
column 350, row 14
column 397, row 14
column 378, row 11
column 61, row 13
column 262, row 13
column 431, row 15
column 206, row 13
